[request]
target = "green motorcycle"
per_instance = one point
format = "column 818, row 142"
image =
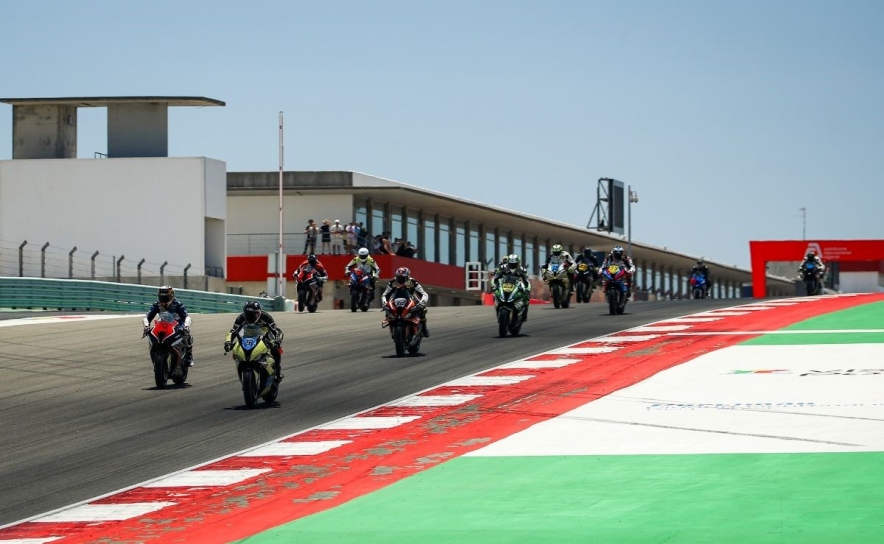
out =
column 510, row 299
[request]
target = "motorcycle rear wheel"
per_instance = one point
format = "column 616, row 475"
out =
column 416, row 347
column 270, row 396
column 160, row 369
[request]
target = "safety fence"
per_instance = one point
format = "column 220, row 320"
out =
column 87, row 295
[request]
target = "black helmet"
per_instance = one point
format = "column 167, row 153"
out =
column 587, row 252
column 311, row 259
column 252, row 311
column 165, row 294
column 402, row 275
column 811, row 255
column 699, row 262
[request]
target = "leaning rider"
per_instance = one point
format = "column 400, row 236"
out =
column 402, row 282
column 558, row 255
column 253, row 314
column 514, row 267
column 320, row 273
column 366, row 263
column 166, row 302
column 618, row 256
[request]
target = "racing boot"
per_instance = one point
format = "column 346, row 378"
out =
column 278, row 372
column 188, row 351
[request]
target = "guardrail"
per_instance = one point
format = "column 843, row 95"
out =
column 55, row 294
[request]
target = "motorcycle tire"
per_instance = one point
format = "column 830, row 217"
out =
column 516, row 325
column 354, row 302
column 312, row 308
column 270, row 396
column 557, row 295
column 566, row 298
column 250, row 387
column 399, row 339
column 612, row 302
column 302, row 303
column 698, row 293
column 621, row 308
column 581, row 288
column 181, row 378
column 412, row 349
column 503, row 322
column 160, row 369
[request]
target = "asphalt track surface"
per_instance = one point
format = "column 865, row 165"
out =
column 80, row 416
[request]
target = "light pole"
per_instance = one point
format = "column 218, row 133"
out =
column 633, row 197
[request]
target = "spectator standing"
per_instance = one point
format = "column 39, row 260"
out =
column 325, row 231
column 386, row 248
column 337, row 235
column 397, row 243
column 362, row 236
column 351, row 238
column 310, row 237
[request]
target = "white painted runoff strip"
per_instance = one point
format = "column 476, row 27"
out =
column 373, row 422
column 435, row 400
column 722, row 312
column 59, row 319
column 618, row 339
column 207, row 478
column 753, row 308
column 692, row 319
column 472, row 381
column 31, row 540
column 834, row 331
column 584, row 351
column 104, row 512
column 282, row 449
column 554, row 363
column 660, row 328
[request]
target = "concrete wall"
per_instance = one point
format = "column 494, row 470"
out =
column 859, row 282
column 44, row 132
column 137, row 130
column 144, row 208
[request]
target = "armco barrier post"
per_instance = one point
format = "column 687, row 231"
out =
column 185, row 275
column 21, row 259
column 94, row 255
column 71, row 263
column 163, row 273
column 120, row 260
column 141, row 262
column 43, row 260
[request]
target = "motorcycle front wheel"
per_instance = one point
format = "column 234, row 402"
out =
column 399, row 339
column 557, row 295
column 612, row 301
column 250, row 386
column 503, row 321
column 160, row 368
column 302, row 302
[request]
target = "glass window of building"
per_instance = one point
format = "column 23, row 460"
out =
column 360, row 212
column 474, row 243
column 491, row 259
column 529, row 256
column 542, row 253
column 502, row 246
column 444, row 240
column 397, row 223
column 460, row 238
column 411, row 231
column 377, row 220
column 429, row 249
column 517, row 247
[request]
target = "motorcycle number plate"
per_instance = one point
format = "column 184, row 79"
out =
column 249, row 343
column 508, row 287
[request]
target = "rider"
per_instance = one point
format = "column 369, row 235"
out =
column 321, row 274
column 166, row 302
column 514, row 266
column 586, row 256
column 363, row 261
column 811, row 257
column 253, row 314
column 618, row 256
column 402, row 280
column 701, row 268
column 562, row 257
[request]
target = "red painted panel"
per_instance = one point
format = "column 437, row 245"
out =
column 254, row 268
column 763, row 252
column 862, row 266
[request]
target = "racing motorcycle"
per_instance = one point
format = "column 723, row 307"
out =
column 698, row 285
column 509, row 298
column 308, row 286
column 557, row 277
column 614, row 285
column 584, row 280
column 810, row 275
column 360, row 290
column 402, row 316
column 167, row 348
column 255, row 365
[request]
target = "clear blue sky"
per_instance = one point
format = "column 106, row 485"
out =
column 727, row 117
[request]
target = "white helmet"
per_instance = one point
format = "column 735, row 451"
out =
column 363, row 253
